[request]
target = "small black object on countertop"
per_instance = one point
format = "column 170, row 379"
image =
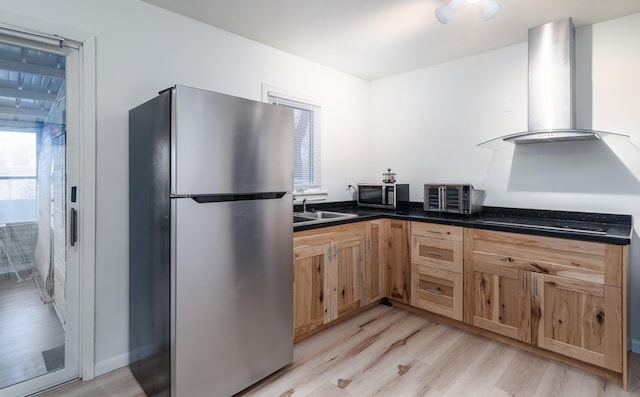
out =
column 606, row 228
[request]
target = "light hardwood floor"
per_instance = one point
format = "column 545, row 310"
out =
column 27, row 328
column 389, row 352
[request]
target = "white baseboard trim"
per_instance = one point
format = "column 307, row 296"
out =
column 112, row 364
column 635, row 345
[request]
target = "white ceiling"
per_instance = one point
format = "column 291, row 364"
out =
column 373, row 39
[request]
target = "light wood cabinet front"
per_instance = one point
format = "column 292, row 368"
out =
column 437, row 290
column 497, row 299
column 375, row 274
column 309, row 288
column 579, row 319
column 436, row 268
column 349, row 264
column 328, row 275
column 561, row 295
column 396, row 240
column 438, row 253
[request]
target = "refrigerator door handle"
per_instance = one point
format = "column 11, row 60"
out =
column 219, row 198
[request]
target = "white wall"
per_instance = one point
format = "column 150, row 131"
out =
column 436, row 116
column 142, row 49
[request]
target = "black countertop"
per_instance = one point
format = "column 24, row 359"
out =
column 606, row 228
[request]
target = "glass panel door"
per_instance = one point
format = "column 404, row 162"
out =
column 38, row 268
column 370, row 195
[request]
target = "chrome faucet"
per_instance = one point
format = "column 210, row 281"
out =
column 304, row 205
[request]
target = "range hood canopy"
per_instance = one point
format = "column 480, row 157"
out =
column 551, row 89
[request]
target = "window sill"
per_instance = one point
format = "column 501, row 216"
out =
column 309, row 193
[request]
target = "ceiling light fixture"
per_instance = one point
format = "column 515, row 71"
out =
column 445, row 12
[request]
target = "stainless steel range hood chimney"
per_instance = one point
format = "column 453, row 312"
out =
column 552, row 110
column 552, row 98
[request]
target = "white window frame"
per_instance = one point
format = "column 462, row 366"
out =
column 271, row 95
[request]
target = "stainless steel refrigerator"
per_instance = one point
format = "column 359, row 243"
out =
column 211, row 247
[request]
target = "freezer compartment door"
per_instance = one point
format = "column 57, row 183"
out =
column 234, row 293
column 225, row 144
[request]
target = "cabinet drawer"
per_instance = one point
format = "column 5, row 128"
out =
column 437, row 290
column 437, row 253
column 437, row 231
column 580, row 260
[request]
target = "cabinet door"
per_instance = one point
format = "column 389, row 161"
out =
column 309, row 288
column 374, row 275
column 348, row 262
column 396, row 249
column 436, row 290
column 497, row 299
column 579, row 319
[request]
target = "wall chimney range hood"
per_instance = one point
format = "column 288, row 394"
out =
column 551, row 89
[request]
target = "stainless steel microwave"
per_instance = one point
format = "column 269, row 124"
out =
column 461, row 199
column 383, row 195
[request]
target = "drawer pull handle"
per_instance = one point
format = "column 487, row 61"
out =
column 434, row 253
column 434, row 291
column 434, row 231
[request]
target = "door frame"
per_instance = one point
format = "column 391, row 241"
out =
column 29, row 28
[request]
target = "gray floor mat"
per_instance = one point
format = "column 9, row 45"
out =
column 54, row 358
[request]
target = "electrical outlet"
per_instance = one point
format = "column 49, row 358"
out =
column 346, row 184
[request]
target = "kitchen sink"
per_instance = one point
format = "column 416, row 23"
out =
column 318, row 216
column 300, row 219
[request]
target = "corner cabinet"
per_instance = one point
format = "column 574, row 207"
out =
column 375, row 273
column 396, row 252
column 560, row 295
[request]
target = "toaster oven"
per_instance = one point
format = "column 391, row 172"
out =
column 461, row 199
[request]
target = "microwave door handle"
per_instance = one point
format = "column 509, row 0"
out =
column 444, row 198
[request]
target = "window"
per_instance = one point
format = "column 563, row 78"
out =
column 17, row 177
column 306, row 139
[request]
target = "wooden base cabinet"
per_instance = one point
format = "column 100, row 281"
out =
column 337, row 270
column 309, row 288
column 579, row 319
column 561, row 295
column 498, row 299
column 436, row 269
column 345, row 276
